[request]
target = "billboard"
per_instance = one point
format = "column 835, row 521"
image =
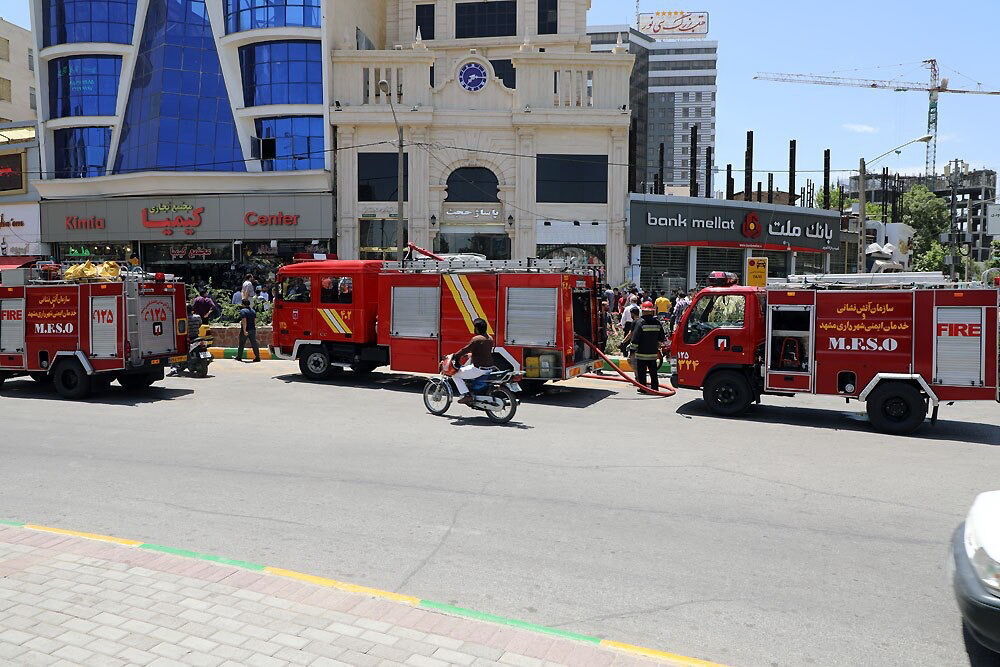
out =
column 13, row 180
column 993, row 219
column 691, row 221
column 671, row 25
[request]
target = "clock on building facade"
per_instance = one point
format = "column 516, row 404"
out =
column 473, row 77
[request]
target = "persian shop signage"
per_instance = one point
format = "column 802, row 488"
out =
column 12, row 177
column 170, row 216
column 688, row 221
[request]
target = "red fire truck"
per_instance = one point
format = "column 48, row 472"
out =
column 332, row 315
column 83, row 334
column 898, row 342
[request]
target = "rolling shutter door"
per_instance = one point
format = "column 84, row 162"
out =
column 416, row 312
column 531, row 316
column 104, row 326
column 959, row 354
column 12, row 326
column 156, row 326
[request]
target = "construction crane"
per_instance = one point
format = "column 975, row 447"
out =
column 934, row 87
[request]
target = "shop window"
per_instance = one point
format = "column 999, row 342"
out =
column 664, row 268
column 378, row 239
column 81, row 152
column 425, row 21
column 548, row 17
column 336, row 289
column 254, row 14
column 491, row 246
column 473, row 184
column 289, row 72
column 573, row 179
column 378, row 174
column 73, row 21
column 178, row 116
column 486, row 19
column 292, row 143
column 296, row 289
column 504, row 70
column 84, row 86
column 722, row 311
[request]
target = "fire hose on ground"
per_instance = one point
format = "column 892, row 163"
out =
column 669, row 391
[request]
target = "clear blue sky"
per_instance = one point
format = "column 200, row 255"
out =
column 819, row 37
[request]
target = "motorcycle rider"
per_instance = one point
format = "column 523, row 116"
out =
column 481, row 349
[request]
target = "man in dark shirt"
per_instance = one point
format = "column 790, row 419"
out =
column 481, row 349
column 203, row 305
column 248, row 331
column 646, row 336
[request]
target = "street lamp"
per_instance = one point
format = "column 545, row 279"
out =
column 383, row 86
column 863, row 195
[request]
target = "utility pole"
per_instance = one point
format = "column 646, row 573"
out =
column 862, row 196
column 400, row 176
column 953, row 237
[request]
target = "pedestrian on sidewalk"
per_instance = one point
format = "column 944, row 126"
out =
column 630, row 314
column 248, row 331
column 248, row 290
column 646, row 337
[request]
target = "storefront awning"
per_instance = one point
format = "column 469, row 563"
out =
column 16, row 261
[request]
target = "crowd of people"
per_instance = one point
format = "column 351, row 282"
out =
column 644, row 320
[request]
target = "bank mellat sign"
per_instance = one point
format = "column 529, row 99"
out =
column 689, row 221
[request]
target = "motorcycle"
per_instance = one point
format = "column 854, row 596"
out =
column 493, row 393
column 198, row 357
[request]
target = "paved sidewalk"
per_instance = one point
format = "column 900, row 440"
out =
column 68, row 600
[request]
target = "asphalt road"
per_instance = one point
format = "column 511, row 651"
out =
column 794, row 536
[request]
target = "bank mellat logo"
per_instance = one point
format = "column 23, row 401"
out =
column 751, row 226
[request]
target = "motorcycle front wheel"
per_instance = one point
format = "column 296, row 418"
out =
column 437, row 396
column 506, row 398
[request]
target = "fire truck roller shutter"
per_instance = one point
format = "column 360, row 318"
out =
column 12, row 326
column 531, row 316
column 104, row 326
column 156, row 325
column 959, row 347
column 416, row 312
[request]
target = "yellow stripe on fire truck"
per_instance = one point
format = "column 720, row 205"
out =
column 467, row 301
column 334, row 321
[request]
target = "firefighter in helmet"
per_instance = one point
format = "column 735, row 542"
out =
column 646, row 336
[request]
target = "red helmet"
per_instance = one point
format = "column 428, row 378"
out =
column 647, row 305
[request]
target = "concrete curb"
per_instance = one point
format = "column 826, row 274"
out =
column 671, row 658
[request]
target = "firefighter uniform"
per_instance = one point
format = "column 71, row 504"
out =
column 647, row 334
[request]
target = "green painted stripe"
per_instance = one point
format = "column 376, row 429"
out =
column 11, row 523
column 480, row 616
column 195, row 554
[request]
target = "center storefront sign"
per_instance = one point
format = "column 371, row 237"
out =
column 193, row 219
column 689, row 221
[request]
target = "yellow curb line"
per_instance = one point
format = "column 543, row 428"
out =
column 662, row 655
column 89, row 536
column 350, row 588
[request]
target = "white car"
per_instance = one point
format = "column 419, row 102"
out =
column 976, row 578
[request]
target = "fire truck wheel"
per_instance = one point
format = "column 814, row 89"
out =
column 137, row 382
column 41, row 378
column 71, row 380
column 727, row 393
column 897, row 408
column 315, row 363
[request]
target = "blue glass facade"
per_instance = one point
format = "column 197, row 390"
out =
column 298, row 142
column 252, row 14
column 81, row 152
column 178, row 116
column 282, row 73
column 72, row 21
column 83, row 85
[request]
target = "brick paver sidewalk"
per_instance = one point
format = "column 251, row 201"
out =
column 73, row 601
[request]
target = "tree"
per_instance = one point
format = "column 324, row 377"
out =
column 994, row 261
column 932, row 259
column 929, row 217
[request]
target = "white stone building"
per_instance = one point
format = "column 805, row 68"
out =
column 17, row 73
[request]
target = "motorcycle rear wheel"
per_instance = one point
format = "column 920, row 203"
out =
column 509, row 409
column 437, row 396
column 200, row 369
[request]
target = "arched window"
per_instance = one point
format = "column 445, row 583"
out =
column 473, row 184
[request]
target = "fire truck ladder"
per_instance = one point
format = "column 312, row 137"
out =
column 903, row 280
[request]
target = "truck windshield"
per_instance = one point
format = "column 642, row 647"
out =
column 717, row 311
column 295, row 289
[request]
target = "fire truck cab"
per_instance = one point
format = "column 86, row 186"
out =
column 83, row 334
column 900, row 342
column 331, row 315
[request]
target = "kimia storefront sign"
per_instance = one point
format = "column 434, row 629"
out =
column 167, row 224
